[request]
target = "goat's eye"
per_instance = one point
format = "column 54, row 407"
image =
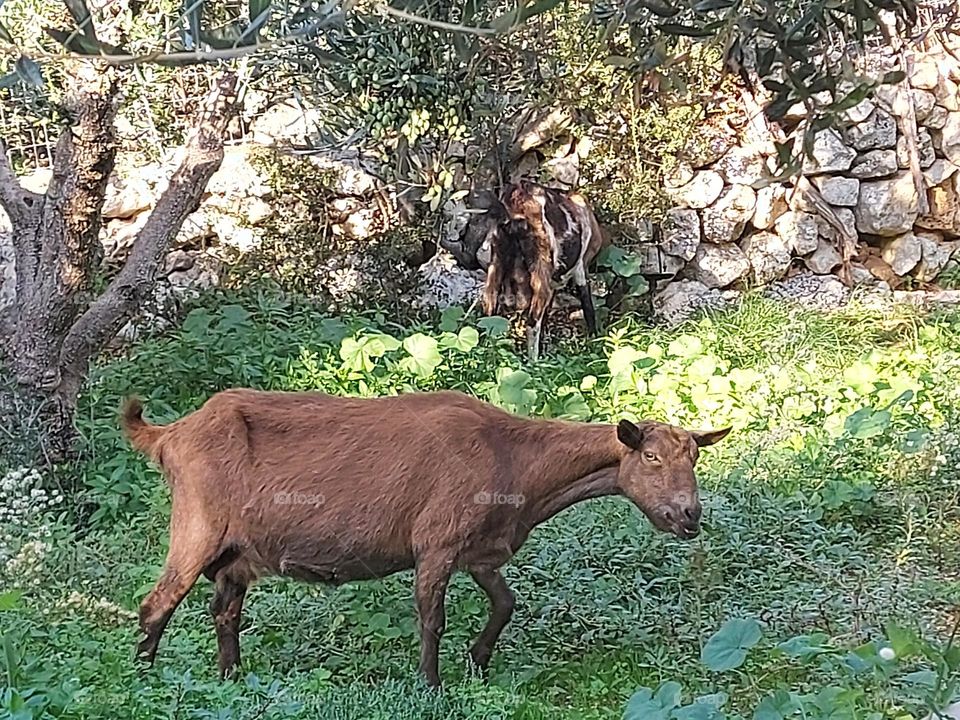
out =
column 649, row 457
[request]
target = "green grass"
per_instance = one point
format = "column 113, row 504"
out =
column 815, row 523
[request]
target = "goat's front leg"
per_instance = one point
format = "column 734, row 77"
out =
column 433, row 574
column 533, row 338
column 502, row 603
column 586, row 299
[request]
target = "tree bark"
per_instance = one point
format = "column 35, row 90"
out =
column 59, row 326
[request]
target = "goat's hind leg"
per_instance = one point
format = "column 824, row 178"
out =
column 226, row 607
column 502, row 603
column 193, row 546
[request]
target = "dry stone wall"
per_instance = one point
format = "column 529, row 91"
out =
column 730, row 226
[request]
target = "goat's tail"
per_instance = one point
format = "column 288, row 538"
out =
column 508, row 281
column 142, row 435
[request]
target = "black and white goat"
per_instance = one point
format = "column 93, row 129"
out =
column 532, row 240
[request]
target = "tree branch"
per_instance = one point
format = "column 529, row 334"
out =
column 18, row 203
column 203, row 154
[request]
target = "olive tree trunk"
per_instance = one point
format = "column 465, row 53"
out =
column 59, row 323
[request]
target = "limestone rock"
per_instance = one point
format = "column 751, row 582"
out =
column 847, row 219
column 771, row 204
column 944, row 205
column 679, row 301
column 950, row 138
column 838, row 190
column 887, row 207
column 859, row 112
column 925, row 74
column 824, row 259
column 902, row 253
column 681, row 233
column 444, row 283
column 937, row 117
column 654, row 260
column 177, row 261
column 875, row 164
column 678, row 176
column 702, row 191
column 769, row 256
column 118, row 236
column 256, row 210
column 564, row 170
column 724, row 220
column 947, row 93
column 237, row 175
column 346, row 173
column 923, row 104
column 710, row 143
column 878, row 131
column 717, row 266
column 830, row 154
column 938, row 171
column 924, row 148
column 936, row 253
column 741, row 166
column 824, row 292
column 126, row 198
column 799, row 231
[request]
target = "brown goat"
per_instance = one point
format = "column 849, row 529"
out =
column 330, row 489
column 548, row 239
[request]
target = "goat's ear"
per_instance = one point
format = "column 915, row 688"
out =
column 629, row 434
column 709, row 438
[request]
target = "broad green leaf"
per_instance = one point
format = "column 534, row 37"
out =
column 494, row 325
column 467, row 339
column 197, row 322
column 805, row 646
column 685, row 346
column 233, row 316
column 618, row 61
column 5, row 35
column 355, row 356
column 867, row 423
column 645, row 705
column 727, row 648
column 377, row 344
column 621, row 360
column 637, row 285
column 705, row 707
column 626, row 264
column 702, row 369
column 575, row 407
column 450, row 318
column 424, row 355
column 904, row 641
column 378, row 621
column 779, row 706
column 513, row 391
